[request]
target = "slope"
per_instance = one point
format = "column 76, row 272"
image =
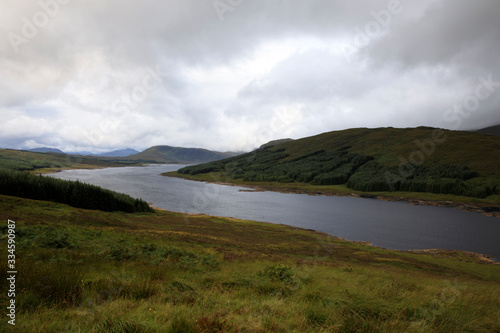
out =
column 492, row 130
column 92, row 271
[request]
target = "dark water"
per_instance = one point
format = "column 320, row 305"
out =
column 394, row 225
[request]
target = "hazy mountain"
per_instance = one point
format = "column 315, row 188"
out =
column 168, row 154
column 492, row 130
column 119, row 153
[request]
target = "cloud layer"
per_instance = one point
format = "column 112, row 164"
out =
column 231, row 75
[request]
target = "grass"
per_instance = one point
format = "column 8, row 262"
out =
column 92, row 271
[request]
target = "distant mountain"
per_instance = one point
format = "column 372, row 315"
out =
column 274, row 143
column 119, row 153
column 46, row 150
column 492, row 130
column 81, row 153
column 168, row 154
column 115, row 153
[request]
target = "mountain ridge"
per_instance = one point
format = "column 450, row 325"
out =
column 46, row 150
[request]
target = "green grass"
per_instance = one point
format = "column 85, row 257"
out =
column 93, row 271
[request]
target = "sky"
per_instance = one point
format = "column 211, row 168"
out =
column 230, row 75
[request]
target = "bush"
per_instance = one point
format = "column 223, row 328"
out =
column 56, row 239
column 279, row 272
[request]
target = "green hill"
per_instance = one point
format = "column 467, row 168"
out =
column 21, row 160
column 167, row 154
column 412, row 160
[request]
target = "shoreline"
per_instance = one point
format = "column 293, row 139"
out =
column 485, row 209
column 434, row 252
column 437, row 253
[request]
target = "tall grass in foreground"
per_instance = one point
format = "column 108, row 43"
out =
column 248, row 298
column 92, row 271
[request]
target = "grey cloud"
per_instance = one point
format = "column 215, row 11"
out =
column 447, row 31
column 92, row 53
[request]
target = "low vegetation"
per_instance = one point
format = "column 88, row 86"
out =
column 93, row 271
column 420, row 160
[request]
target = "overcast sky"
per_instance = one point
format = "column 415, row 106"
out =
column 98, row 75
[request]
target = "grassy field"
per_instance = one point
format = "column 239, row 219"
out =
column 90, row 271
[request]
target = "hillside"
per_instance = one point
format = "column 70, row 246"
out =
column 46, row 150
column 372, row 160
column 168, row 154
column 20, row 160
column 492, row 130
column 91, row 271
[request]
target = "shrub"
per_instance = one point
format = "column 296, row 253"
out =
column 56, row 239
column 120, row 253
column 279, row 272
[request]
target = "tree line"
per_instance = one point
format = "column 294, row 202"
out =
column 74, row 193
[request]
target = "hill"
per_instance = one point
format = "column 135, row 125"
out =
column 119, row 153
column 492, row 130
column 21, row 160
column 168, row 154
column 92, row 271
column 274, row 143
column 372, row 160
column 46, row 150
